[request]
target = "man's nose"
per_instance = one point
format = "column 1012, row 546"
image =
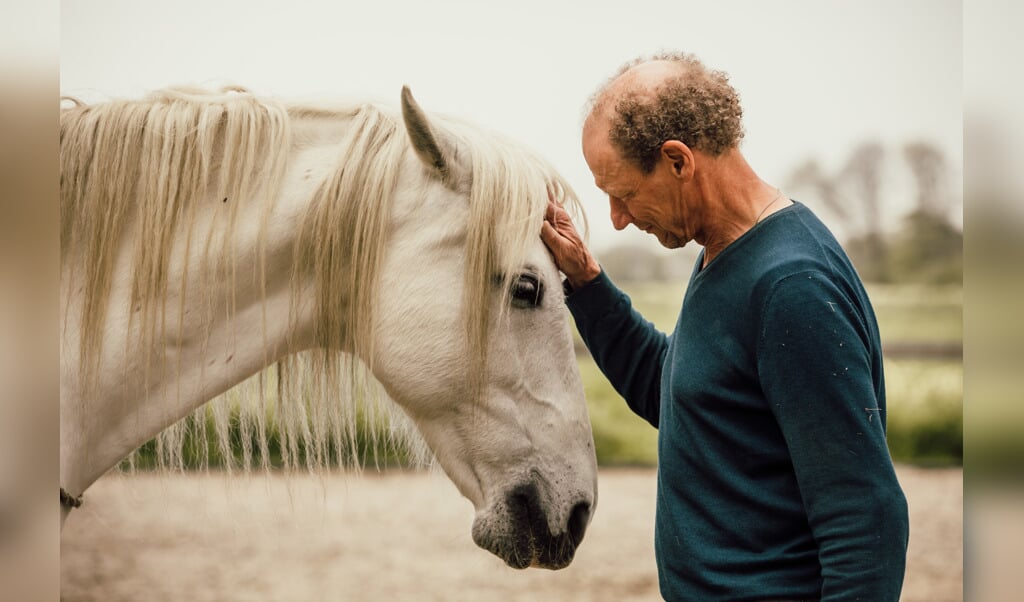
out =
column 620, row 215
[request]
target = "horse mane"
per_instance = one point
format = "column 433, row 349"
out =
column 137, row 168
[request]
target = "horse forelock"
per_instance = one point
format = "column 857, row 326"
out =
column 507, row 201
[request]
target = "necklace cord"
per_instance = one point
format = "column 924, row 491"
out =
column 778, row 195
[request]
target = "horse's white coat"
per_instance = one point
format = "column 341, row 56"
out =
column 529, row 428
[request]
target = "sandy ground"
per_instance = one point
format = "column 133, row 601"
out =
column 397, row 536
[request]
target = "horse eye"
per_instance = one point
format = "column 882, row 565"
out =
column 527, row 292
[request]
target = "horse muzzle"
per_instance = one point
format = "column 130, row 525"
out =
column 517, row 530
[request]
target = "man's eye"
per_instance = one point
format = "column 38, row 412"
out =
column 527, row 292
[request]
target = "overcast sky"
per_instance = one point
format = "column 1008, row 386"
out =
column 815, row 78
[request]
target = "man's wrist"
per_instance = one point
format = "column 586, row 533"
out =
column 584, row 276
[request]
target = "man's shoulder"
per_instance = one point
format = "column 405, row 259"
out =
column 797, row 244
column 796, row 234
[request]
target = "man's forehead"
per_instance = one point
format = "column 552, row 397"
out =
column 597, row 147
column 595, row 130
column 607, row 167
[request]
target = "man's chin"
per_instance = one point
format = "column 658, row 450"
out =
column 666, row 239
column 670, row 241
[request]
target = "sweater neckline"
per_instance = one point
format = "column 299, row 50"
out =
column 700, row 269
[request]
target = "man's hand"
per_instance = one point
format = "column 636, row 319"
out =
column 571, row 256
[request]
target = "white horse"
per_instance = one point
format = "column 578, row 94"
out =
column 208, row 236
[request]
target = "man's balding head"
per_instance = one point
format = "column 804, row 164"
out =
column 670, row 96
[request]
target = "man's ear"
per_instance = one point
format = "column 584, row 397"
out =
column 679, row 157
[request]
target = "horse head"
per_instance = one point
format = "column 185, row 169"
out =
column 473, row 342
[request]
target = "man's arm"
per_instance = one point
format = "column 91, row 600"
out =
column 628, row 349
column 815, row 369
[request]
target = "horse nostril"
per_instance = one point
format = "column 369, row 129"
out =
column 578, row 520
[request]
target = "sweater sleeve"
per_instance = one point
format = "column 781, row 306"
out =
column 814, row 363
column 628, row 349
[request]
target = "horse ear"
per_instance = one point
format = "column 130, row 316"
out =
column 432, row 146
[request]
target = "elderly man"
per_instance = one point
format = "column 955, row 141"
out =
column 774, row 479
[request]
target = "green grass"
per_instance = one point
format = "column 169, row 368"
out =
column 918, row 313
column 200, row 450
column 659, row 302
column 925, row 411
column 621, row 438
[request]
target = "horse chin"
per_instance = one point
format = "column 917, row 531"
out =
column 516, row 530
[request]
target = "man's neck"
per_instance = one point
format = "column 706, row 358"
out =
column 733, row 198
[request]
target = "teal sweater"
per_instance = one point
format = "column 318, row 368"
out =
column 774, row 479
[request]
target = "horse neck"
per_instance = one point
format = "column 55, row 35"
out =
column 220, row 321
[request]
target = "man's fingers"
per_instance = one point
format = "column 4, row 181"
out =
column 558, row 217
column 571, row 257
column 550, row 236
column 551, row 211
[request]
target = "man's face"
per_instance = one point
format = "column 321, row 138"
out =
column 650, row 202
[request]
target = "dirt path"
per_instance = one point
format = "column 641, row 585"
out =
column 397, row 536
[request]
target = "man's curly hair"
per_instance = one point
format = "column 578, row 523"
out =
column 698, row 107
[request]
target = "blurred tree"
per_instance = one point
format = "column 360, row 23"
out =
column 810, row 176
column 853, row 195
column 870, row 254
column 928, row 249
column 860, row 178
column 928, row 165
